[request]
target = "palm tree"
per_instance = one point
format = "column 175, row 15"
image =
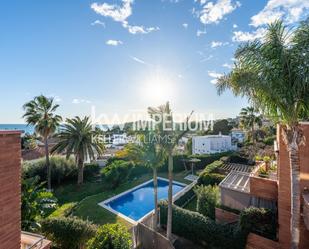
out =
column 150, row 154
column 78, row 138
column 167, row 138
column 274, row 74
column 40, row 112
column 249, row 118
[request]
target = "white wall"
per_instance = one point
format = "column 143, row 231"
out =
column 211, row 144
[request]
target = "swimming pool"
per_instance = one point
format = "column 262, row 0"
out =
column 135, row 203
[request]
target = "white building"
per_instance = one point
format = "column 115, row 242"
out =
column 238, row 135
column 211, row 144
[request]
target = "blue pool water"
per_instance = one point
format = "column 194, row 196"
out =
column 138, row 202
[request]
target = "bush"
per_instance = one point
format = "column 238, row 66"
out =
column 202, row 230
column 116, row 173
column 210, row 179
column 260, row 221
column 68, row 233
column 91, row 170
column 207, row 200
column 111, row 236
column 61, row 169
column 269, row 140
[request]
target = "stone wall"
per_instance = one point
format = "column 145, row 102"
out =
column 263, row 188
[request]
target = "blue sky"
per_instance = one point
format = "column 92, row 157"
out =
column 120, row 55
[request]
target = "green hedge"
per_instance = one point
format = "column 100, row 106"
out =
column 183, row 200
column 210, row 179
column 111, row 236
column 260, row 221
column 62, row 169
column 68, row 233
column 202, row 230
column 207, row 200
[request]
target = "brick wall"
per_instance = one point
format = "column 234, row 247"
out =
column 255, row 241
column 223, row 216
column 263, row 188
column 10, row 161
column 284, row 190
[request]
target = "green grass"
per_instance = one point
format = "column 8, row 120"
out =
column 90, row 194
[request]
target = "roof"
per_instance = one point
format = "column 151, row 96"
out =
column 238, row 181
column 237, row 167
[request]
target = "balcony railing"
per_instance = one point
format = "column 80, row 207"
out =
column 31, row 240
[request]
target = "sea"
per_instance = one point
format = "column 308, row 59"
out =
column 20, row 127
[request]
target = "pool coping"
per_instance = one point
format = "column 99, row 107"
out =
column 103, row 203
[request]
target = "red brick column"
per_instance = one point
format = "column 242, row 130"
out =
column 10, row 168
column 284, row 189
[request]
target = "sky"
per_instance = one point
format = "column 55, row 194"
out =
column 117, row 57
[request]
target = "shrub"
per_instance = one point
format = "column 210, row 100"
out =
column 61, row 169
column 111, row 236
column 91, row 170
column 116, row 173
column 259, row 220
column 269, row 140
column 63, row 211
column 68, row 233
column 207, row 200
column 210, row 179
column 202, row 230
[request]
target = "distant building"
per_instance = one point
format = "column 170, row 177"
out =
column 211, row 144
column 238, row 135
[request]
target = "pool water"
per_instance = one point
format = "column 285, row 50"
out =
column 140, row 201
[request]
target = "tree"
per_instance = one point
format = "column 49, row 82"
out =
column 167, row 138
column 221, row 126
column 78, row 138
column 274, row 74
column 151, row 155
column 36, row 203
column 249, row 118
column 40, row 112
column 111, row 236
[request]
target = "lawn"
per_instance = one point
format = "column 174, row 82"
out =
column 90, row 194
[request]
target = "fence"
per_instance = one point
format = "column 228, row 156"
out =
column 147, row 238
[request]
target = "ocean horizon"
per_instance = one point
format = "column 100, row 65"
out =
column 17, row 127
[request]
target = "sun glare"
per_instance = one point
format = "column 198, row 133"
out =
column 158, row 89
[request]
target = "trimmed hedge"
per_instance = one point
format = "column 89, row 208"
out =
column 111, row 236
column 68, row 233
column 183, row 200
column 207, row 200
column 208, row 175
column 202, row 230
column 260, row 221
column 62, row 169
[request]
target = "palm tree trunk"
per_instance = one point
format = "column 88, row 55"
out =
column 80, row 166
column 252, row 133
column 295, row 193
column 170, row 197
column 155, row 190
column 48, row 169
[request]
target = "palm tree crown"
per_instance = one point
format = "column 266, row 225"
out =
column 274, row 74
column 78, row 138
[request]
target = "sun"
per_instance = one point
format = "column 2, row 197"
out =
column 157, row 89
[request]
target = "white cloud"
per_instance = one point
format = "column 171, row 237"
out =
column 214, row 75
column 120, row 14
column 138, row 29
column 98, row 22
column 214, row 12
column 81, row 101
column 200, row 32
column 185, row 25
column 114, row 42
column 235, row 26
column 289, row 10
column 241, row 36
column 229, row 66
column 138, row 60
column 215, row 44
column 207, row 58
